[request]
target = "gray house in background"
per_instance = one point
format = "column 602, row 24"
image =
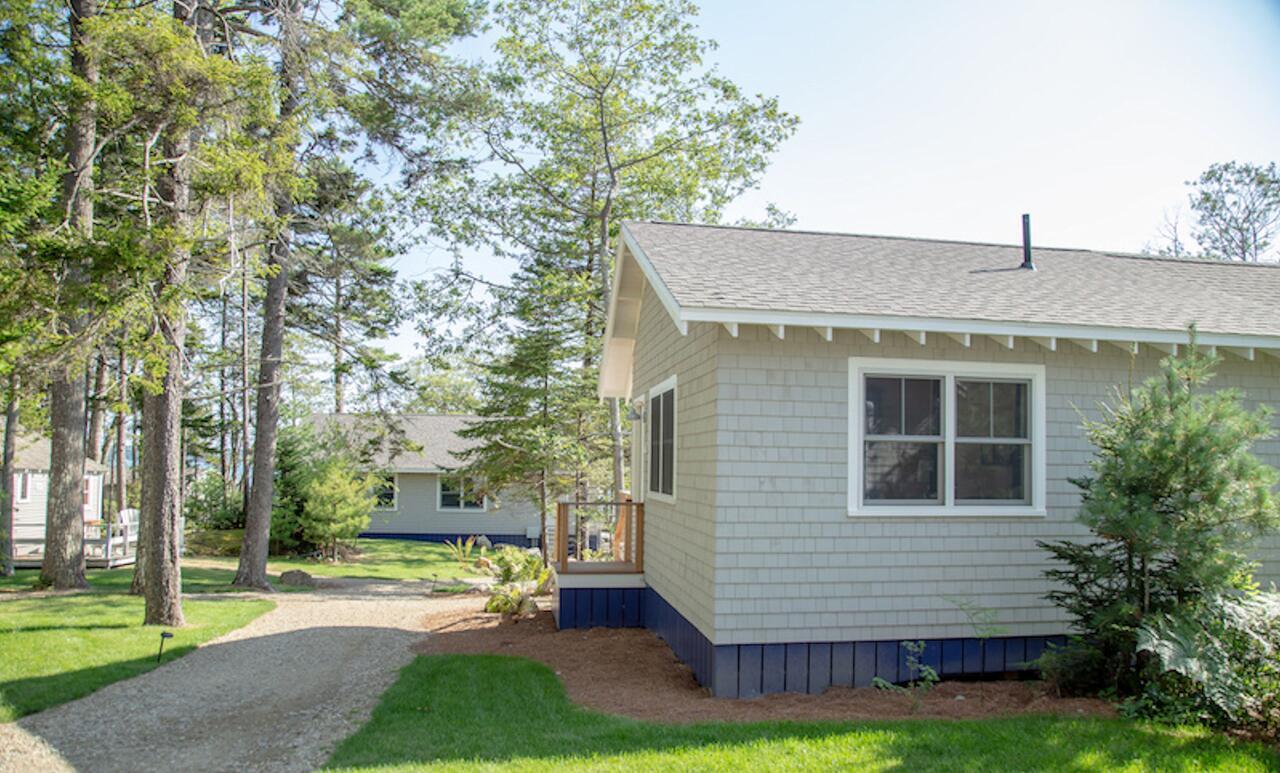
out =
column 30, row 501
column 421, row 499
column 842, row 439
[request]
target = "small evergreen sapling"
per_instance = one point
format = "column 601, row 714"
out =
column 1173, row 499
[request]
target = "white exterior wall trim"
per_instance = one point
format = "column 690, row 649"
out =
column 949, row 369
column 944, row 325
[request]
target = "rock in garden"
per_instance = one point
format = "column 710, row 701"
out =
column 297, row 577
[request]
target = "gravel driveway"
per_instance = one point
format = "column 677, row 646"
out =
column 276, row 695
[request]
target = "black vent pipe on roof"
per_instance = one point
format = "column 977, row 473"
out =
column 1026, row 243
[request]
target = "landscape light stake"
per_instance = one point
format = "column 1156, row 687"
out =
column 163, row 635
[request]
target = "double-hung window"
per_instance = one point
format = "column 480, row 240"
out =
column 946, row 438
column 22, row 484
column 662, row 439
column 385, row 492
column 459, row 494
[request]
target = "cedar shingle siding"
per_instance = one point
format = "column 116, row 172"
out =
column 759, row 547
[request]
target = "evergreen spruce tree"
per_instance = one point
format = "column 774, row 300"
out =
column 534, row 395
column 1173, row 500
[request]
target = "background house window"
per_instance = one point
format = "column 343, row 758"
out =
column 662, row 430
column 22, row 485
column 384, row 493
column 460, row 494
column 84, row 492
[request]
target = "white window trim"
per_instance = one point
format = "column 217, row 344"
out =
column 461, row 508
column 395, row 496
column 949, row 370
column 18, row 479
column 657, row 389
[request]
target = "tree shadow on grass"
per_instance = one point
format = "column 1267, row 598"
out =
column 486, row 709
column 20, row 697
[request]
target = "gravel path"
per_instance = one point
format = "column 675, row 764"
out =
column 276, row 695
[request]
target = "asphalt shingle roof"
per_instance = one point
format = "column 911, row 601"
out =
column 714, row 267
column 432, row 440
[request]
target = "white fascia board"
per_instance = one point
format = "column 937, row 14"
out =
column 416, row 470
column 973, row 326
column 659, row 288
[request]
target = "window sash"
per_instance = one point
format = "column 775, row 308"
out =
column 998, row 466
column 385, row 493
column 662, row 433
column 459, row 494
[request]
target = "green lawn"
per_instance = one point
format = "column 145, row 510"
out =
column 57, row 648
column 195, row 579
column 379, row 559
column 468, row 712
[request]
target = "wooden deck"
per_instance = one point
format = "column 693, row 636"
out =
column 104, row 547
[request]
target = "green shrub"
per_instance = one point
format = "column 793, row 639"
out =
column 512, row 600
column 1173, row 500
column 337, row 506
column 296, row 453
column 460, row 550
column 213, row 503
column 1220, row 661
column 513, row 564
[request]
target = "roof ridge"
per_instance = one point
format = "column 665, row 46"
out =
column 1018, row 246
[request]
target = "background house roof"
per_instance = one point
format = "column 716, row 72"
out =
column 33, row 454
column 414, row 442
column 745, row 269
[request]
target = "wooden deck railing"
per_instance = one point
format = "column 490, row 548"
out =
column 598, row 537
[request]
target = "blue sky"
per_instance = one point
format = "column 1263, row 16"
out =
column 949, row 119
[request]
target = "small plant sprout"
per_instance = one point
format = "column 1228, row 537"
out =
column 921, row 676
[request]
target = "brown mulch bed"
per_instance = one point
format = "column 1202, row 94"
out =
column 630, row 672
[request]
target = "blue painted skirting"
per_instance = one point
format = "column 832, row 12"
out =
column 752, row 670
column 684, row 638
column 505, row 539
column 600, row 607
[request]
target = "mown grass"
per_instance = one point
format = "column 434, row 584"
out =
column 195, row 579
column 488, row 712
column 56, row 648
column 378, row 559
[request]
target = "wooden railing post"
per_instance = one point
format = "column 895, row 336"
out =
column 639, row 546
column 562, row 536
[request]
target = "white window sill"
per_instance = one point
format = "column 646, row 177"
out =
column 941, row 511
column 666, row 499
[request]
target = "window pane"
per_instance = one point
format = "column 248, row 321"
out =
column 922, row 407
column 450, row 494
column 992, row 471
column 1009, row 409
column 472, row 499
column 884, row 406
column 385, row 492
column 668, row 441
column 973, row 408
column 655, row 444
column 901, row 471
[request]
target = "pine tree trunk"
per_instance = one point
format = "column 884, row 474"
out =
column 6, row 501
column 162, row 458
column 244, row 387
column 122, row 494
column 252, row 571
column 339, row 401
column 97, row 412
column 63, row 565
